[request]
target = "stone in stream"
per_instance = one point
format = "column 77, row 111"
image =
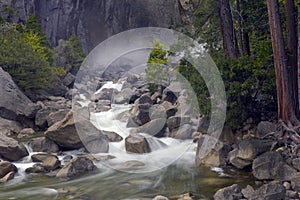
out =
column 137, row 144
column 51, row 163
column 40, row 157
column 37, row 168
column 156, row 127
column 10, row 149
column 216, row 157
column 160, row 197
column 65, row 133
column 7, row 177
column 112, row 136
column 76, row 167
column 7, row 167
column 175, row 122
column 247, row 150
column 43, row 144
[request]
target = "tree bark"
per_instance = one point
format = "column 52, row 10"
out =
column 228, row 33
column 292, row 51
column 286, row 109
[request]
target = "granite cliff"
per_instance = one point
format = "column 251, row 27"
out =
column 95, row 20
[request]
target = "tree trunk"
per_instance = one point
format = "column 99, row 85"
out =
column 292, row 51
column 228, row 33
column 240, row 29
column 286, row 109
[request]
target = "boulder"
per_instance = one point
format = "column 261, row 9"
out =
column 227, row 136
column 40, row 157
column 247, row 150
column 65, row 133
column 42, row 116
column 112, row 136
column 203, row 125
column 13, row 102
column 37, row 168
column 184, row 132
column 51, row 163
column 26, row 132
column 76, row 167
column 270, row 191
column 56, row 116
column 169, row 108
column 296, row 163
column 137, row 144
column 156, row 127
column 216, row 157
column 169, row 96
column 7, row 177
column 9, row 127
column 43, row 144
column 96, row 144
column 271, row 166
column 175, row 122
column 10, row 149
column 104, row 94
column 265, row 127
column 7, row 167
column 232, row 192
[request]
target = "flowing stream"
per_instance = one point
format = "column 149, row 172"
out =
column 169, row 170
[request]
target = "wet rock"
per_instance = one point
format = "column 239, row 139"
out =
column 97, row 144
column 65, row 133
column 76, row 167
column 104, row 94
column 56, row 116
column 265, row 127
column 184, row 132
column 37, row 168
column 7, row 177
column 43, row 144
column 51, row 163
column 130, row 165
column 10, row 149
column 295, row 182
column 247, row 150
column 169, row 96
column 6, row 167
column 159, row 197
column 268, row 166
column 216, row 157
column 175, row 122
column 139, row 115
column 156, row 127
column 40, row 157
column 232, row 192
column 112, row 136
column 137, row 144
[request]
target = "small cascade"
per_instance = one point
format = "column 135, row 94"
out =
column 28, row 147
column 154, row 143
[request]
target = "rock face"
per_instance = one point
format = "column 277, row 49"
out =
column 10, row 149
column 13, row 102
column 94, row 21
column 77, row 166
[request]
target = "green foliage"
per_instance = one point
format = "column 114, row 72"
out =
column 156, row 71
column 69, row 54
column 34, row 26
column 23, row 58
column 59, row 71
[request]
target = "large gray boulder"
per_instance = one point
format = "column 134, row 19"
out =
column 65, row 133
column 13, row 102
column 43, row 144
column 232, row 192
column 137, row 144
column 156, row 127
column 247, row 150
column 10, row 149
column 9, row 127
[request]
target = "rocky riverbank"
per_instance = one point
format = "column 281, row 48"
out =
column 152, row 119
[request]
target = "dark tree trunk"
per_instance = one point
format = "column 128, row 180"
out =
column 246, row 45
column 228, row 33
column 292, row 51
column 240, row 29
column 286, row 109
